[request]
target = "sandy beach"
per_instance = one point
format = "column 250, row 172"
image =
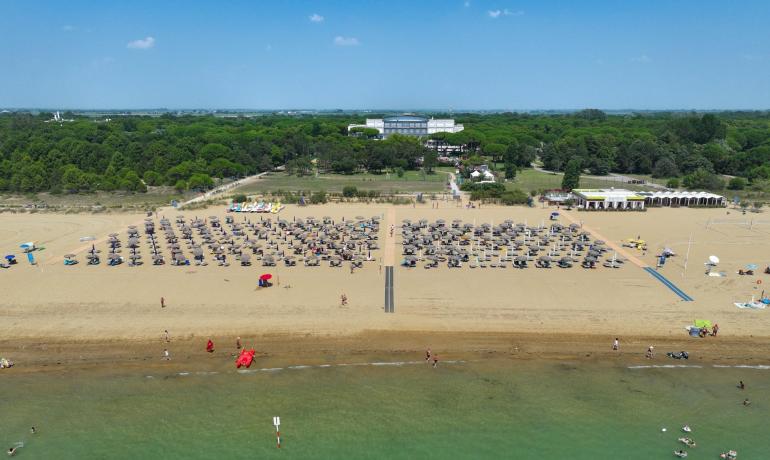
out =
column 53, row 303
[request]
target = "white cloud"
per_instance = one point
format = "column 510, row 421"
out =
column 494, row 14
column 141, row 44
column 315, row 17
column 68, row 28
column 346, row 41
column 643, row 59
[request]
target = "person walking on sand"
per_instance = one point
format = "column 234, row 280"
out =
column 166, row 336
column 162, row 302
column 210, row 346
column 166, row 355
column 616, row 344
column 427, row 355
column 238, row 343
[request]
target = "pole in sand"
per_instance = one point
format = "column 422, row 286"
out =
column 277, row 425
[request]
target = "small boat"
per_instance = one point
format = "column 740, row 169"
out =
column 680, row 453
column 277, row 207
column 687, row 429
column 731, row 455
column 245, row 358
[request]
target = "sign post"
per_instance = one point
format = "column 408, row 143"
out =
column 277, row 425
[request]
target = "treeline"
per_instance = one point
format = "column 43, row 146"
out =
column 192, row 152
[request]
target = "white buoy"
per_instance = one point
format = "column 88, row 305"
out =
column 663, row 430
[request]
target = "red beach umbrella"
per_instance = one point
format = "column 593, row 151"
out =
column 266, row 276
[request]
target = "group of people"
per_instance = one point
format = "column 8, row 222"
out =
column 704, row 331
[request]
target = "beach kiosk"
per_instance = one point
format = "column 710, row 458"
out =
column 608, row 199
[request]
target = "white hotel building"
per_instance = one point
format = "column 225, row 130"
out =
column 410, row 125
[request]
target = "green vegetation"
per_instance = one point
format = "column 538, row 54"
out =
column 571, row 179
column 410, row 181
column 132, row 153
column 530, row 180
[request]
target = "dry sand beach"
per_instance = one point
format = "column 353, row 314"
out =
column 53, row 303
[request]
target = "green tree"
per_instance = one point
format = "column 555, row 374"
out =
column 571, row 179
column 199, row 181
column 665, row 167
column 349, row 191
column 673, row 183
column 736, row 183
column 703, row 179
column 430, row 160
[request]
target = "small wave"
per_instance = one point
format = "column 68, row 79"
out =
column 183, row 374
column 748, row 366
column 666, row 366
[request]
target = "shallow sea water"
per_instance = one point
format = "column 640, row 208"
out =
column 484, row 409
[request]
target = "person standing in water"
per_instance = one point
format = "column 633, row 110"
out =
column 650, row 352
column 616, row 344
column 741, row 385
column 435, row 360
column 238, row 343
column 427, row 355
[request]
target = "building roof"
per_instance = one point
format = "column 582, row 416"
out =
column 611, row 194
column 680, row 194
column 405, row 118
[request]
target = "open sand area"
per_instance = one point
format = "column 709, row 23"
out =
column 95, row 303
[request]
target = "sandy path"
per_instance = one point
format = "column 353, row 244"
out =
column 607, row 241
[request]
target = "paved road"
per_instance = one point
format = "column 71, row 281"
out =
column 453, row 185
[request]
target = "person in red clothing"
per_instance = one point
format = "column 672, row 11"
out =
column 210, row 346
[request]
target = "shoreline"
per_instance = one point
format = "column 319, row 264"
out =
column 282, row 350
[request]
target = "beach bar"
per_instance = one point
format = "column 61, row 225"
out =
column 612, row 198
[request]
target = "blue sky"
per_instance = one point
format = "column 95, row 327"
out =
column 396, row 54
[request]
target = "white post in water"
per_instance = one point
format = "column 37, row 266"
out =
column 277, row 425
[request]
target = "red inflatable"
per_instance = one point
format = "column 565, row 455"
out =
column 245, row 358
column 210, row 346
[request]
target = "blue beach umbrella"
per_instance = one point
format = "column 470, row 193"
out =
column 10, row 257
column 751, row 266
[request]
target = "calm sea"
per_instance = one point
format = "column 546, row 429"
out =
column 484, row 409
